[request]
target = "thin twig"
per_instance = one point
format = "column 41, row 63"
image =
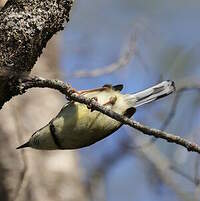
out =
column 66, row 89
column 142, row 148
column 162, row 166
column 173, row 110
column 160, row 162
column 177, row 97
column 184, row 174
column 120, row 63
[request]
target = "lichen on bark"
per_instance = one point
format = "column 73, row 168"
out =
column 25, row 28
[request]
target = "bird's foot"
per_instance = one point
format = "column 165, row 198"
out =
column 90, row 106
column 72, row 91
column 112, row 100
column 81, row 92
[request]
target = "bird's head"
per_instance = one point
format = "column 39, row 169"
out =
column 41, row 139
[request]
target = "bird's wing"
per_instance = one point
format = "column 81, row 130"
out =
column 118, row 87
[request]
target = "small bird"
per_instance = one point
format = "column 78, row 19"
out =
column 76, row 126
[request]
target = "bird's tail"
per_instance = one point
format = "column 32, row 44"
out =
column 153, row 93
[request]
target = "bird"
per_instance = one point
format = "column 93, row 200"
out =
column 77, row 126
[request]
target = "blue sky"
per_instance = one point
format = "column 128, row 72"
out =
column 96, row 35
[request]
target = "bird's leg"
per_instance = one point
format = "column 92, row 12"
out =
column 112, row 100
column 81, row 92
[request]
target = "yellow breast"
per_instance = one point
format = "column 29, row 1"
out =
column 76, row 126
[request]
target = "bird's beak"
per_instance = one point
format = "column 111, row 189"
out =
column 27, row 144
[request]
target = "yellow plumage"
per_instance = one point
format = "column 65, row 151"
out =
column 76, row 126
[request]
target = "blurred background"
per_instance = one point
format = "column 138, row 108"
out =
column 132, row 42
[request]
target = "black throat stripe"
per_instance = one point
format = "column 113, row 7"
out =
column 53, row 134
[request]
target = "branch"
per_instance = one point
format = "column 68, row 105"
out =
column 195, row 86
column 66, row 89
column 163, row 166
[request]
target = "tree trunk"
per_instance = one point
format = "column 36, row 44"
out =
column 30, row 174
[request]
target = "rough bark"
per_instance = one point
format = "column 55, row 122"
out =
column 25, row 28
column 36, row 175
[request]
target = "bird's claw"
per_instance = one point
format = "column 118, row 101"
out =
column 72, row 91
column 89, row 106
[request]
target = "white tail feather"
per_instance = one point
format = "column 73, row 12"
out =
column 153, row 93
